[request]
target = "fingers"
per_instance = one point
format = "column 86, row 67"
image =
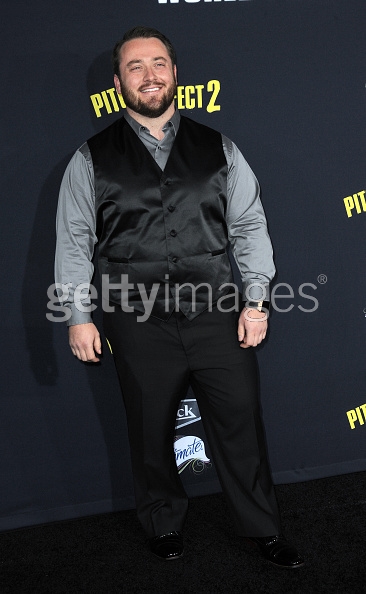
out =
column 98, row 344
column 251, row 331
column 241, row 329
column 84, row 340
column 84, row 353
column 254, row 335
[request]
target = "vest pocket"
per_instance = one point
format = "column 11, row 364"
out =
column 218, row 252
column 118, row 260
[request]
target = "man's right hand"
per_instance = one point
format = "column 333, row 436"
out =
column 85, row 343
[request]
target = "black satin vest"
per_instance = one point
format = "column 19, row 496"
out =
column 162, row 228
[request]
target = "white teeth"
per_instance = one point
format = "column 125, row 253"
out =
column 150, row 90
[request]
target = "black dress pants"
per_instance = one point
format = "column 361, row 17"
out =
column 156, row 361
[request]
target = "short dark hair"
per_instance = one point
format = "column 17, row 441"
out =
column 146, row 33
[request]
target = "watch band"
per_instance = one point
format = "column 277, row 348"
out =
column 258, row 305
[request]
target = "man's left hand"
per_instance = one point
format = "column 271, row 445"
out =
column 252, row 327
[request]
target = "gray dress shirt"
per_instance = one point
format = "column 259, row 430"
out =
column 75, row 224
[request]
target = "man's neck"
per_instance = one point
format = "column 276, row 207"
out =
column 155, row 125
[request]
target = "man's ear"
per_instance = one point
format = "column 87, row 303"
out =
column 117, row 84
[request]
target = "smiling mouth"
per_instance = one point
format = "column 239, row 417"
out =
column 151, row 90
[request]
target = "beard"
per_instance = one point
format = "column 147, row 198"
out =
column 152, row 107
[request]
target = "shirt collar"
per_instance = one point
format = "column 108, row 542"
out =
column 137, row 127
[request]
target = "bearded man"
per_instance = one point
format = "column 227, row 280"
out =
column 163, row 196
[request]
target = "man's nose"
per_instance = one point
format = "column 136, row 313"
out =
column 149, row 73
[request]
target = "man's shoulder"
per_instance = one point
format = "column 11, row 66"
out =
column 107, row 132
column 194, row 124
column 200, row 130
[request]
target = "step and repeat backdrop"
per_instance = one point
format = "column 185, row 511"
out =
column 285, row 80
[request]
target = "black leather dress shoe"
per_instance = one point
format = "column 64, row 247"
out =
column 167, row 546
column 278, row 551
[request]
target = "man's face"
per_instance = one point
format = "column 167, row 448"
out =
column 147, row 78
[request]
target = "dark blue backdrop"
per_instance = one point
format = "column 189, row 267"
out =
column 285, row 79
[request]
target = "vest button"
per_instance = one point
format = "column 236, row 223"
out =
column 171, row 208
column 174, row 259
column 173, row 233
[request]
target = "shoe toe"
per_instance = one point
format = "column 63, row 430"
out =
column 279, row 551
column 167, row 546
column 285, row 555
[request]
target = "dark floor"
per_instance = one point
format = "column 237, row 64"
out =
column 107, row 554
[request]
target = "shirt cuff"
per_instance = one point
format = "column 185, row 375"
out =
column 256, row 290
column 78, row 317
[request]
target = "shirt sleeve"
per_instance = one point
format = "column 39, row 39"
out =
column 76, row 238
column 247, row 226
